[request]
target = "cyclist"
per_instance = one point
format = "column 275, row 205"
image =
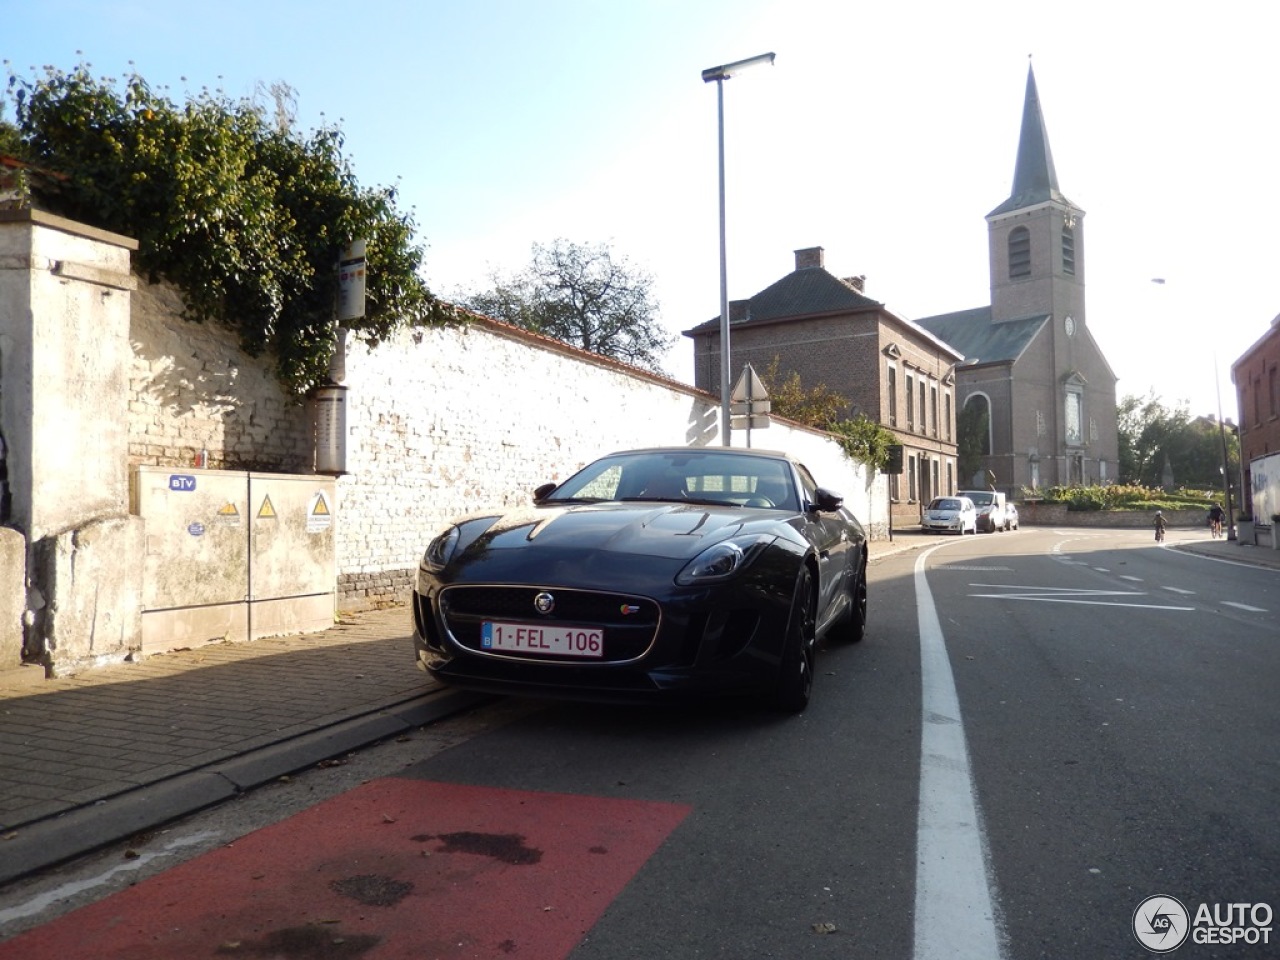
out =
column 1160, row 525
column 1216, row 516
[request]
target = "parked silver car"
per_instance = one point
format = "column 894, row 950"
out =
column 950, row 515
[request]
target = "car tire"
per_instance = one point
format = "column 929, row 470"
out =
column 795, row 672
column 854, row 626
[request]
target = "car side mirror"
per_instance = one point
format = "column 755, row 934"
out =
column 827, row 501
column 540, row 494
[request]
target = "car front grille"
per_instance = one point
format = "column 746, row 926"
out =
column 629, row 623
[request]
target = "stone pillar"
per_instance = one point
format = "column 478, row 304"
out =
column 64, row 380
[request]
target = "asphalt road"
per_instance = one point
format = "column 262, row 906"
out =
column 1040, row 731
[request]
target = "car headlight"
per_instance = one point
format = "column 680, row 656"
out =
column 723, row 560
column 440, row 550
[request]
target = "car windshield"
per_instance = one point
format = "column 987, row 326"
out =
column 945, row 504
column 981, row 499
column 687, row 476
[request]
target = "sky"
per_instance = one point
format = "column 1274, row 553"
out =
column 884, row 133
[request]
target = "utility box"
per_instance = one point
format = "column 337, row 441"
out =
column 234, row 556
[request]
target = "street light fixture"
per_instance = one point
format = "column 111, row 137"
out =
column 719, row 75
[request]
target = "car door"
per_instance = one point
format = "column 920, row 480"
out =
column 829, row 534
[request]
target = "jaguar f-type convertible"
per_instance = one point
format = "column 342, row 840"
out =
column 649, row 573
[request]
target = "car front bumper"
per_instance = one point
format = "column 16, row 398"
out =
column 694, row 641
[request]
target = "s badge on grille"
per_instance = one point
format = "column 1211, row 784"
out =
column 544, row 603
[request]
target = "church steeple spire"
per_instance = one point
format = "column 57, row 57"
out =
column 1034, row 178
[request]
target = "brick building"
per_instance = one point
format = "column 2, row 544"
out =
column 1256, row 374
column 1031, row 363
column 828, row 331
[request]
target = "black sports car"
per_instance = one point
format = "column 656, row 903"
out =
column 649, row 572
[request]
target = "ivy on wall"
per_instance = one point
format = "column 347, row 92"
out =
column 242, row 213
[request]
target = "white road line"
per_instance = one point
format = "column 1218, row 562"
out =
column 1091, row 603
column 1102, row 569
column 1125, row 576
column 1189, row 593
column 955, row 913
column 1243, row 606
column 1068, row 595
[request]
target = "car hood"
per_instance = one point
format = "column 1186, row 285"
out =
column 667, row 530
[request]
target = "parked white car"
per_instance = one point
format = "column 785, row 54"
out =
column 950, row 515
column 990, row 504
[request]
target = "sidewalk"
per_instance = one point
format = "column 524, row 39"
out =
column 88, row 760
column 101, row 756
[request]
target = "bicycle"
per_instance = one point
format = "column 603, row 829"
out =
column 1215, row 528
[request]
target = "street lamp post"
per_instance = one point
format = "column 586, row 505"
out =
column 719, row 75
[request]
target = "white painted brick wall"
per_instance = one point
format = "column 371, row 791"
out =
column 192, row 388
column 441, row 422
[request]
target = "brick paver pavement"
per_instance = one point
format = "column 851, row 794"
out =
column 69, row 742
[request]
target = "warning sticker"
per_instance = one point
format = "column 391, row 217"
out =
column 228, row 515
column 319, row 516
column 267, row 511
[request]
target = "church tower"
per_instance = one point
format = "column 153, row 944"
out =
column 1036, row 237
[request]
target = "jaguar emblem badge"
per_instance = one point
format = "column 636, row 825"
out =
column 544, row 602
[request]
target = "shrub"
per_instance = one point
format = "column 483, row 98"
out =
column 1119, row 496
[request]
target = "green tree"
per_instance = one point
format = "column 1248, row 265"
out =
column 246, row 216
column 584, row 295
column 1152, row 434
column 822, row 408
column 817, row 407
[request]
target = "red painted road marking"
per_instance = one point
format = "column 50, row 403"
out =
column 392, row 869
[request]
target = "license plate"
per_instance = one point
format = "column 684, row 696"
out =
column 542, row 640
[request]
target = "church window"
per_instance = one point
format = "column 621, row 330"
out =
column 1019, row 253
column 973, row 427
column 1075, row 418
column 1068, row 251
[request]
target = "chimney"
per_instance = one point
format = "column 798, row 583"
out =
column 739, row 310
column 809, row 258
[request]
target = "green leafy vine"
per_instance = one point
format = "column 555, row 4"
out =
column 243, row 214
